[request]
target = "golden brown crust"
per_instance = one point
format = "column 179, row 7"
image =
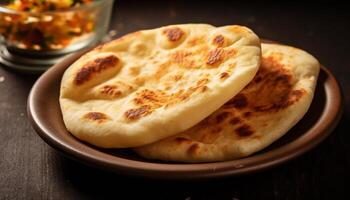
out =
column 96, row 116
column 157, row 98
column 219, row 41
column 215, row 56
column 182, row 58
column 93, row 67
column 222, row 116
column 239, row 101
column 244, row 131
column 224, row 75
column 111, row 90
column 174, row 34
column 193, row 149
column 193, row 42
column 235, row 121
column 270, row 91
column 276, row 98
column 160, row 79
column 181, row 140
column 137, row 113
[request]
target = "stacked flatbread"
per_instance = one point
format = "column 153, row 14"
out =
column 189, row 93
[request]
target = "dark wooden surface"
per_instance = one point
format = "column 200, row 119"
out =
column 30, row 169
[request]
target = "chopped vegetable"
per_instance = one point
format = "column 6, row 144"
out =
column 35, row 29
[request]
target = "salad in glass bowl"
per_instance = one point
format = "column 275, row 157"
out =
column 51, row 25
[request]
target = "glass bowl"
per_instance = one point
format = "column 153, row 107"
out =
column 54, row 32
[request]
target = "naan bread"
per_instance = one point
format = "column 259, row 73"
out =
column 276, row 99
column 152, row 84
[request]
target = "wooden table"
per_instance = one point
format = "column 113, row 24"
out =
column 30, row 169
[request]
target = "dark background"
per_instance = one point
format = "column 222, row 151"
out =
column 30, row 169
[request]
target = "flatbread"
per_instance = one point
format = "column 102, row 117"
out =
column 152, row 84
column 275, row 100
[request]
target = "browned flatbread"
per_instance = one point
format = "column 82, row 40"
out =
column 274, row 101
column 152, row 84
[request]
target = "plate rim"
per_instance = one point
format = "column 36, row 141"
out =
column 324, row 126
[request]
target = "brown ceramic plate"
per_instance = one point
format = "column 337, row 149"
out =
column 317, row 124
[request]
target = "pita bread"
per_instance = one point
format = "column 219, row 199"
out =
column 152, row 84
column 276, row 99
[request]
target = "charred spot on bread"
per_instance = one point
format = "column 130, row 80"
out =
column 174, row 34
column 219, row 41
column 96, row 116
column 224, row 75
column 215, row 56
column 240, row 101
column 244, row 130
column 137, row 113
column 222, row 116
column 111, row 90
column 235, row 121
column 93, row 67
